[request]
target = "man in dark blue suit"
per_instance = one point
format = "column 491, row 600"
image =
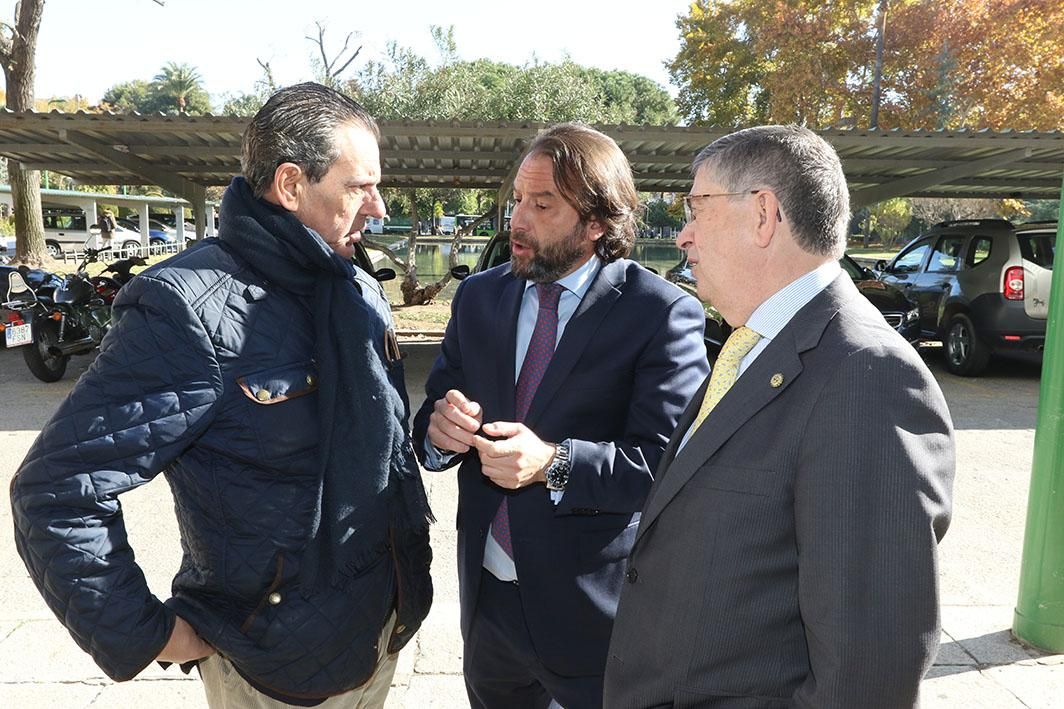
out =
column 561, row 377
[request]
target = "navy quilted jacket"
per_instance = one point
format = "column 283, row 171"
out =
column 208, row 377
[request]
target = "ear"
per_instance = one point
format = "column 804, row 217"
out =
column 767, row 218
column 594, row 230
column 286, row 188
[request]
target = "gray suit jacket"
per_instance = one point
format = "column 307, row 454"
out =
column 786, row 555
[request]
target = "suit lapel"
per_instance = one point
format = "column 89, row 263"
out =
column 600, row 297
column 508, row 311
column 752, row 392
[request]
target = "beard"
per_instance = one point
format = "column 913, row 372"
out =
column 550, row 262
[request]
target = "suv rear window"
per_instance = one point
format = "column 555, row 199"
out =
column 944, row 257
column 1038, row 248
column 979, row 251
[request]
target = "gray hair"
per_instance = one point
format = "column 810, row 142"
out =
column 298, row 124
column 796, row 164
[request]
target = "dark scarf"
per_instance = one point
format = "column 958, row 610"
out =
column 368, row 481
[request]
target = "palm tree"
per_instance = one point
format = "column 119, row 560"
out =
column 178, row 80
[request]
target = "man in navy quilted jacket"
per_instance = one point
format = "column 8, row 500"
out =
column 257, row 372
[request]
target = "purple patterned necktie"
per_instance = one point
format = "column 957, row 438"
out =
column 537, row 358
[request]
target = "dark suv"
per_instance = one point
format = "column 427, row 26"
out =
column 982, row 286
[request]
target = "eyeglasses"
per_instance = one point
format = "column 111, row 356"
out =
column 688, row 201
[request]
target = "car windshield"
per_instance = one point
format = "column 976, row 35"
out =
column 1038, row 248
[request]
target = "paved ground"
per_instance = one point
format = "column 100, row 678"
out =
column 979, row 665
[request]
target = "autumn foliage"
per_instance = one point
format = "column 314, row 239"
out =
column 947, row 64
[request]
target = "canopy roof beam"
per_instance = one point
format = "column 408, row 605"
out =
column 908, row 185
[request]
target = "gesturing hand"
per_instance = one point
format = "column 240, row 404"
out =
column 454, row 421
column 518, row 459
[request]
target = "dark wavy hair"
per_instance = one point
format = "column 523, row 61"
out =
column 298, row 124
column 593, row 176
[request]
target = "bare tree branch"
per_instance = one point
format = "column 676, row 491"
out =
column 347, row 63
column 268, row 71
column 377, row 246
column 320, row 41
column 327, row 66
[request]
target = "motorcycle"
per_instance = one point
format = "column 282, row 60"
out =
column 71, row 314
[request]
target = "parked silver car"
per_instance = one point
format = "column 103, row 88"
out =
column 982, row 287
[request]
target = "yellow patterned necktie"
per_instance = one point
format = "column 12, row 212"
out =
column 726, row 370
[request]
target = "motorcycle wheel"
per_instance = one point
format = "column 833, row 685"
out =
column 44, row 365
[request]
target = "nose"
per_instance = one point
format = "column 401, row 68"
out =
column 374, row 206
column 686, row 237
column 517, row 217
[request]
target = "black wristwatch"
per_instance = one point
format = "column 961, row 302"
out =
column 557, row 473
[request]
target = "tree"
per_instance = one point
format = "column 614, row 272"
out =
column 660, row 215
column 328, row 70
column 946, row 64
column 129, row 96
column 18, row 48
column 889, row 218
column 177, row 87
column 178, row 82
column 932, row 210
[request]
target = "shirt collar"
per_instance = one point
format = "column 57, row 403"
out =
column 579, row 280
column 773, row 315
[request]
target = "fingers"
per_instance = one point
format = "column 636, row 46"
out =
column 446, row 436
column 453, row 422
column 470, row 409
column 504, row 429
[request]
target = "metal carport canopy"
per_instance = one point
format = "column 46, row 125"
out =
column 183, row 154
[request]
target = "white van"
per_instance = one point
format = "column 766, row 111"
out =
column 375, row 225
column 447, row 225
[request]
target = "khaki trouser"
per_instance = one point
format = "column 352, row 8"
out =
column 226, row 689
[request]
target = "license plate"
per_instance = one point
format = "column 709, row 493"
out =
column 16, row 335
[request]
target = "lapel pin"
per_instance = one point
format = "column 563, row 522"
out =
column 776, row 381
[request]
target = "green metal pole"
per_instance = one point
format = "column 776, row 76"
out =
column 1039, row 616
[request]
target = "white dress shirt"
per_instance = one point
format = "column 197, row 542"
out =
column 769, row 319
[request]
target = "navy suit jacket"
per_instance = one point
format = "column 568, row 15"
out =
column 629, row 361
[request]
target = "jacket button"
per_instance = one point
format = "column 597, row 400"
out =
column 310, row 380
column 274, row 598
column 400, row 628
column 632, row 575
column 262, row 395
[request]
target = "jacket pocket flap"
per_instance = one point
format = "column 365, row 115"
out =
column 731, row 478
column 272, row 386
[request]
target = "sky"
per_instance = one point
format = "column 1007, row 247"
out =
column 87, row 46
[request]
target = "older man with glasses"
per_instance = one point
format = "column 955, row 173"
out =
column 786, row 555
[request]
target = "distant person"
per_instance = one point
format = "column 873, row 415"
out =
column 561, row 376
column 787, row 555
column 107, row 225
column 258, row 373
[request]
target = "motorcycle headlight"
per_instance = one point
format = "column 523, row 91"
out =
column 912, row 315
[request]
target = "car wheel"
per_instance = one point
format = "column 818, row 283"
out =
column 45, row 366
column 54, row 250
column 130, row 247
column 966, row 354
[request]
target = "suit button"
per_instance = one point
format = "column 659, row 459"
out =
column 274, row 598
column 262, row 395
column 400, row 628
column 632, row 575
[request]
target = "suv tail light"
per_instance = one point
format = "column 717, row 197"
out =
column 1012, row 288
